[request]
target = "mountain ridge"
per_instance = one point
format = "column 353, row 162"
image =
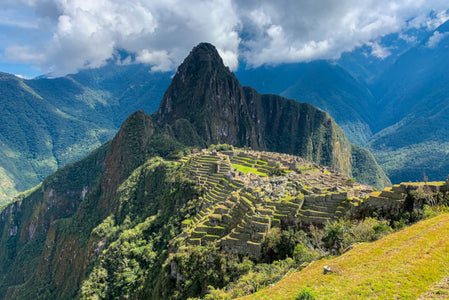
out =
column 47, row 123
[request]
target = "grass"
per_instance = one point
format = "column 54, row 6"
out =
column 426, row 183
column 246, row 169
column 187, row 221
column 403, row 265
column 376, row 194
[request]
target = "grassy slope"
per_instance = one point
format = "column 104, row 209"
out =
column 402, row 265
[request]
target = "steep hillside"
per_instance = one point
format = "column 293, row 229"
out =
column 47, row 123
column 414, row 107
column 324, row 85
column 95, row 223
column 38, row 135
column 129, row 88
column 403, row 265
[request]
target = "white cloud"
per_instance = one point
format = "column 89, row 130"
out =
column 159, row 59
column 24, row 53
column 8, row 17
column 378, row 50
column 300, row 30
column 436, row 38
column 407, row 38
column 86, row 34
column 159, row 32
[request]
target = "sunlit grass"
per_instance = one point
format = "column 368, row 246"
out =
column 403, row 265
column 246, row 169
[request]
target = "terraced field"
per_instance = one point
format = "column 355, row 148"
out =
column 246, row 193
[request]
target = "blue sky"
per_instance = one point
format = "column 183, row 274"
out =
column 58, row 37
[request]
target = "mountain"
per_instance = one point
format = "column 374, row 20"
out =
column 262, row 122
column 120, row 220
column 412, row 135
column 394, row 104
column 47, row 123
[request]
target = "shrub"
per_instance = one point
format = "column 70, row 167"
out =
column 350, row 181
column 221, row 147
column 276, row 170
column 369, row 230
column 305, row 294
column 335, row 235
column 433, row 211
column 304, row 255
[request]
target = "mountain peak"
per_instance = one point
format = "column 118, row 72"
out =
column 205, row 52
column 202, row 59
column 201, row 83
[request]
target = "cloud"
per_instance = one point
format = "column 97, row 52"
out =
column 159, row 59
column 407, row 38
column 379, row 51
column 8, row 17
column 86, row 34
column 76, row 34
column 299, row 30
column 436, row 38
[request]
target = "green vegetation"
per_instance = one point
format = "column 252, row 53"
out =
column 365, row 168
column 47, row 123
column 151, row 215
column 395, row 266
column 135, row 241
column 221, row 147
column 408, row 162
column 305, row 294
column 246, row 169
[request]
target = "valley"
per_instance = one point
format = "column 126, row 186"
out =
column 219, row 193
column 215, row 150
column 375, row 102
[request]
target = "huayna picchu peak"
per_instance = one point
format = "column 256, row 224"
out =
column 196, row 195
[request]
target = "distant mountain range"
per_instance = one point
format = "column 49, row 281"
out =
column 46, row 123
column 397, row 107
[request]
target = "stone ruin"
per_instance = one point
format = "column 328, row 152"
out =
column 237, row 209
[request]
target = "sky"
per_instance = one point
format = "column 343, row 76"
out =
column 58, row 37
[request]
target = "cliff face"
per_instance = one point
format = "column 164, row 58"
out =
column 38, row 242
column 127, row 151
column 209, row 96
column 301, row 129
